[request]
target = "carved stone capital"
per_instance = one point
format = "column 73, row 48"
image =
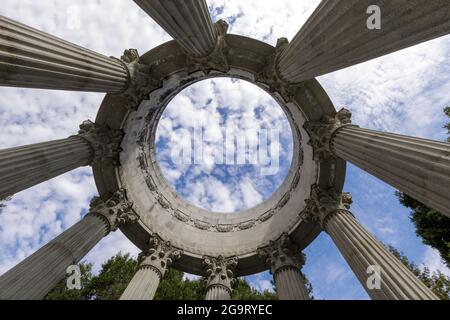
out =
column 221, row 272
column 321, row 133
column 116, row 211
column 271, row 77
column 323, row 203
column 159, row 256
column 282, row 254
column 141, row 79
column 104, row 141
column 217, row 59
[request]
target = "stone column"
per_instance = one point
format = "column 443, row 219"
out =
column 188, row 22
column 285, row 260
column 382, row 275
column 153, row 266
column 337, row 36
column 415, row 166
column 35, row 276
column 221, row 277
column 33, row 59
column 27, row 166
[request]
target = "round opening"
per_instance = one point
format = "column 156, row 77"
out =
column 224, row 145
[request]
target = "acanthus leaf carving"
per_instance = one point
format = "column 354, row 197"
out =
column 282, row 253
column 220, row 271
column 141, row 78
column 116, row 211
column 159, row 255
column 105, row 142
column 322, row 132
column 217, row 59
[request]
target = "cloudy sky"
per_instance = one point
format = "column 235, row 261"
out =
column 403, row 93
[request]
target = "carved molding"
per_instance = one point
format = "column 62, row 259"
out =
column 321, row 133
column 141, row 81
column 324, row 203
column 281, row 254
column 220, row 271
column 105, row 142
column 217, row 59
column 116, row 211
column 159, row 256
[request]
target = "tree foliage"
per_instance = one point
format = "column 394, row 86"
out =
column 438, row 282
column 117, row 272
column 431, row 226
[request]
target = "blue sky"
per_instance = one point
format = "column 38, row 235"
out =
column 402, row 93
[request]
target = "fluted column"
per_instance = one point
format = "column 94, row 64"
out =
column 221, row 277
column 285, row 260
column 337, row 36
column 188, row 22
column 153, row 266
column 382, row 275
column 418, row 167
column 31, row 58
column 34, row 277
column 24, row 167
column 415, row 166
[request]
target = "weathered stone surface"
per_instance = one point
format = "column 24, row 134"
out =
column 364, row 254
column 35, row 276
column 221, row 277
column 33, row 59
column 188, row 22
column 321, row 133
column 336, row 35
column 27, row 166
column 153, row 266
column 105, row 142
column 415, row 166
column 285, row 261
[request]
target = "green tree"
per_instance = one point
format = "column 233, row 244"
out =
column 117, row 272
column 438, row 282
column 3, row 203
column 431, row 226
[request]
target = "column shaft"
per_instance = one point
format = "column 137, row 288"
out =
column 217, row 293
column 24, row 167
column 415, row 166
column 188, row 22
column 361, row 250
column 33, row 59
column 290, row 284
column 336, row 36
column 34, row 277
column 143, row 286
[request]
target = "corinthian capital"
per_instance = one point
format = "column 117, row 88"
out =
column 217, row 59
column 115, row 211
column 221, row 271
column 141, row 80
column 281, row 254
column 159, row 256
column 321, row 133
column 323, row 203
column 105, row 142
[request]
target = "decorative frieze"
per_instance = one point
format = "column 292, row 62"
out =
column 321, row 133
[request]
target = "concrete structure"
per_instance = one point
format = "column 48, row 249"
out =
column 120, row 146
